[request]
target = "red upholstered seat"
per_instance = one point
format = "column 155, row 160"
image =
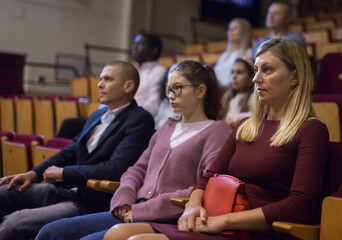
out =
column 52, row 146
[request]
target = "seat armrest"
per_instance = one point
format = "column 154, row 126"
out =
column 103, row 185
column 297, row 231
column 179, row 201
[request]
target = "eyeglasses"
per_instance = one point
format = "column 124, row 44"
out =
column 176, row 90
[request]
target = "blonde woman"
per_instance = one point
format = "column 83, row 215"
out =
column 280, row 153
column 238, row 45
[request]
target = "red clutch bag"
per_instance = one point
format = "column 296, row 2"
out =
column 226, row 194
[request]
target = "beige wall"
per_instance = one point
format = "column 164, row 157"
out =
column 42, row 28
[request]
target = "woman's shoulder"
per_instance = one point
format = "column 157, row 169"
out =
column 314, row 127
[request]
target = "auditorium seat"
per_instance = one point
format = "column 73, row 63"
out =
column 7, row 114
column 296, row 27
column 103, row 185
column 210, row 58
column 193, row 48
column 94, row 90
column 328, row 113
column 336, row 98
column 17, row 153
column 216, row 46
column 42, row 152
column 304, row 19
column 319, row 25
column 92, row 107
column 323, row 49
column 65, row 109
column 166, row 61
column 194, row 57
column 329, row 77
column 79, row 87
column 336, row 34
column 4, row 136
column 24, row 115
column 44, row 121
column 330, row 227
column 318, row 36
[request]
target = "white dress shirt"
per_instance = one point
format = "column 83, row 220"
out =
column 97, row 132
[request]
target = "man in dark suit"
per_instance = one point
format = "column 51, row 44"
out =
column 112, row 139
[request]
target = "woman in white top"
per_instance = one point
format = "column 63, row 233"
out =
column 237, row 101
column 238, row 45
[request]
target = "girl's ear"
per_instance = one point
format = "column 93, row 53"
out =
column 202, row 89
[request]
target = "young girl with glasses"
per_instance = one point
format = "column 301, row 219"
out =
column 178, row 155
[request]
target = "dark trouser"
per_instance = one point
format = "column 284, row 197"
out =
column 22, row 214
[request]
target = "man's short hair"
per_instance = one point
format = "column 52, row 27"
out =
column 128, row 72
column 286, row 3
column 154, row 41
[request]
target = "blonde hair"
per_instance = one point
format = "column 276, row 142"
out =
column 298, row 108
column 246, row 34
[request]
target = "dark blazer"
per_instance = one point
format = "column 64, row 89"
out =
column 119, row 147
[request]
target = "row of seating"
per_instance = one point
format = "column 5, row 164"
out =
column 331, row 219
column 20, row 152
column 41, row 116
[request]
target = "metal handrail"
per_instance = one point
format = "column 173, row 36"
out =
column 53, row 65
column 88, row 47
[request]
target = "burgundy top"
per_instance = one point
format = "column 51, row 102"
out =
column 285, row 181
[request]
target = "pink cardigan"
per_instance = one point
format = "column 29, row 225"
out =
column 163, row 172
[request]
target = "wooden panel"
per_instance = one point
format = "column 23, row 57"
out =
column 210, row 58
column 63, row 110
column 296, row 27
column 304, row 19
column 7, row 114
column 319, row 25
column 324, row 49
column 328, row 112
column 94, row 91
column 313, row 37
column 336, row 34
column 193, row 48
column 92, row 107
column 24, row 115
column 42, row 153
column 180, row 58
column 14, row 158
column 103, row 185
column 79, row 87
column 331, row 221
column 166, row 61
column 260, row 32
column 216, row 47
column 44, row 118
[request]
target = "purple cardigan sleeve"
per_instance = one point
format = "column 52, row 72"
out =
column 306, row 188
column 132, row 179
